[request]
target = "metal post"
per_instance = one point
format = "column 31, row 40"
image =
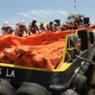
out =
column 75, row 5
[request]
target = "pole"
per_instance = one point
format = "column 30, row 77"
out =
column 75, row 5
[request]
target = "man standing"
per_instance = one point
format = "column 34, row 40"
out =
column 42, row 27
column 21, row 29
column 33, row 28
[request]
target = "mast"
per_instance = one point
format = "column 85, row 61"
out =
column 75, row 5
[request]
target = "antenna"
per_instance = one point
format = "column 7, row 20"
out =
column 75, row 5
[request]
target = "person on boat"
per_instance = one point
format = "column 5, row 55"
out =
column 55, row 27
column 50, row 26
column 21, row 28
column 33, row 28
column 6, row 28
column 64, row 27
column 42, row 27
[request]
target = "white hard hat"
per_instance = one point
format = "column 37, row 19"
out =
column 6, row 24
column 22, row 22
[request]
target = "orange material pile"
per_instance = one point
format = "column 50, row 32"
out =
column 42, row 50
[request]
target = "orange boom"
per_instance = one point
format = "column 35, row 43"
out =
column 42, row 50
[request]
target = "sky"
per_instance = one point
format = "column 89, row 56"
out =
column 43, row 10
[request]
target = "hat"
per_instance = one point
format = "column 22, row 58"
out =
column 6, row 24
column 22, row 22
column 34, row 21
column 41, row 23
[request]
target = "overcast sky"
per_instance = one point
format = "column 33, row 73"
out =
column 43, row 10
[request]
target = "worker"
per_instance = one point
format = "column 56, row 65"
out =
column 6, row 28
column 42, row 27
column 64, row 27
column 55, row 27
column 33, row 28
column 50, row 26
column 21, row 28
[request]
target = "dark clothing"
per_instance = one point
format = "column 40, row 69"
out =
column 50, row 27
column 33, row 28
column 91, row 37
